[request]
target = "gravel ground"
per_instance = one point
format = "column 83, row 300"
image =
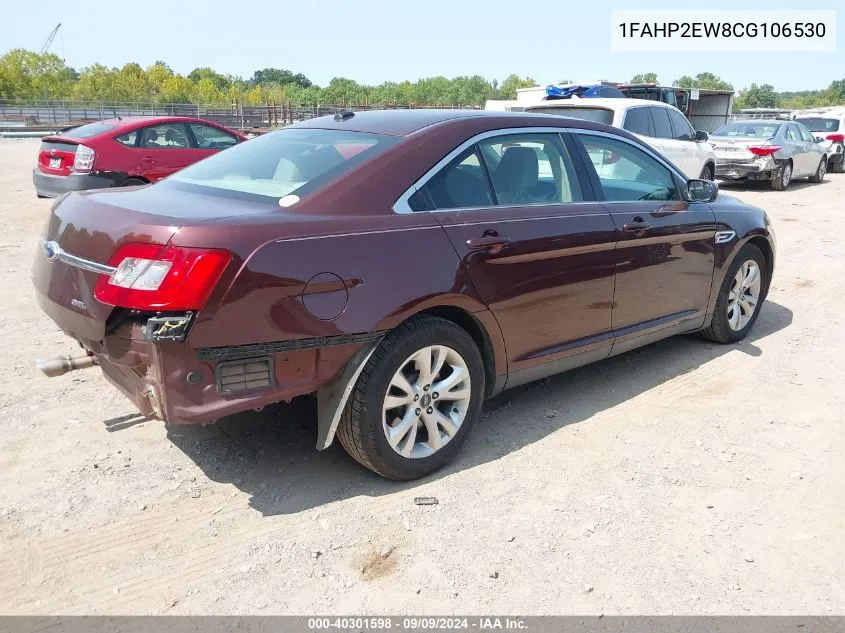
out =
column 683, row 478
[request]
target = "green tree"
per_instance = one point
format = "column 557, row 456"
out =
column 206, row 92
column 705, row 80
column 176, row 89
column 28, row 75
column 279, row 76
column 221, row 82
column 509, row 86
column 757, row 97
column 644, row 78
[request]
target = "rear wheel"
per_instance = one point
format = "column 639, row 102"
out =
column 133, row 182
column 740, row 297
column 820, row 171
column 707, row 172
column 837, row 166
column 416, row 400
column 783, row 177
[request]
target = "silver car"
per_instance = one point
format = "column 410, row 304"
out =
column 758, row 149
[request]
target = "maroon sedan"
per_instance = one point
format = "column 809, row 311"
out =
column 125, row 152
column 403, row 266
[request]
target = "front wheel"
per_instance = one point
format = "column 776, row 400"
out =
column 416, row 400
column 707, row 172
column 740, row 297
column 820, row 171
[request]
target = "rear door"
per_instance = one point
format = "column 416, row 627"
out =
column 664, row 254
column 539, row 253
column 209, row 139
column 163, row 149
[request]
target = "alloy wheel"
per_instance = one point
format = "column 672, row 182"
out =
column 786, row 175
column 426, row 401
column 744, row 295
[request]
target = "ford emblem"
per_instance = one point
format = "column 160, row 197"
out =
column 51, row 250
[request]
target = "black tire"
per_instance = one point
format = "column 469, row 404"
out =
column 719, row 329
column 133, row 182
column 361, row 431
column 820, row 171
column 783, row 177
column 707, row 172
column 41, row 197
column 837, row 166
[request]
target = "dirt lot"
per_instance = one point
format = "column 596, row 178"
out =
column 681, row 478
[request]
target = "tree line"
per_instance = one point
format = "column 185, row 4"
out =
column 29, row 76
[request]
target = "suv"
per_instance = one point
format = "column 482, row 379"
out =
column 828, row 128
column 660, row 125
column 124, row 152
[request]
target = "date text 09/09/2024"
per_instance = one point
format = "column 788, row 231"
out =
column 723, row 29
column 416, row 623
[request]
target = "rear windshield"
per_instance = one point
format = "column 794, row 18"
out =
column 820, row 125
column 87, row 131
column 282, row 163
column 599, row 115
column 749, row 129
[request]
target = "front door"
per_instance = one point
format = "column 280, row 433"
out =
column 540, row 257
column 665, row 250
column 210, row 139
column 164, row 149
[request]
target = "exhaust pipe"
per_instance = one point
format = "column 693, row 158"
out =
column 62, row 364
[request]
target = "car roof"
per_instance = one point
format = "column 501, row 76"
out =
column 407, row 122
column 133, row 121
column 599, row 102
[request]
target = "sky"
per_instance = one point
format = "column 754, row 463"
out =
column 372, row 41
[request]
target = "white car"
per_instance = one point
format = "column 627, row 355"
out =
column 828, row 129
column 659, row 124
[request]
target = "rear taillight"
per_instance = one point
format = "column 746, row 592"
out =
column 836, row 138
column 155, row 277
column 83, row 161
column 763, row 150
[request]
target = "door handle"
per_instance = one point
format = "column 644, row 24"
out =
column 636, row 227
column 491, row 243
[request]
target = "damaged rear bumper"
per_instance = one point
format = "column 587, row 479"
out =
column 763, row 168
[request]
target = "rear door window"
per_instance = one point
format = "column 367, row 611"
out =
column 528, row 169
column 662, row 126
column 638, row 121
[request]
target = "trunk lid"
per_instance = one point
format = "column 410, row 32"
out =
column 93, row 226
column 56, row 155
column 729, row 148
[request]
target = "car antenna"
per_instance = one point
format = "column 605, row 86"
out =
column 116, row 114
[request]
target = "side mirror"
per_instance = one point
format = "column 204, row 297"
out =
column 701, row 135
column 819, row 139
column 702, row 190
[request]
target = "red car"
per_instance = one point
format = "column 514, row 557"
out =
column 125, row 152
column 400, row 265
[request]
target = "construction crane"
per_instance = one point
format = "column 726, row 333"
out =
column 50, row 39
